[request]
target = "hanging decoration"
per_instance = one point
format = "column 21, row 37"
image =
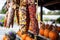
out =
column 23, row 15
column 33, row 21
column 17, row 10
column 10, row 18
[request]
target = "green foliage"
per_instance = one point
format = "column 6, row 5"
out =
column 49, row 13
column 46, row 19
column 3, row 11
column 44, row 13
column 2, row 21
column 58, row 20
column 53, row 13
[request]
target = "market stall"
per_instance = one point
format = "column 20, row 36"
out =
column 25, row 11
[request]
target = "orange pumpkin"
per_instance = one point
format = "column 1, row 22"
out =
column 19, row 33
column 28, row 38
column 41, row 31
column 4, row 37
column 42, row 28
column 53, row 35
column 46, row 33
column 23, row 36
column 58, row 29
column 47, row 30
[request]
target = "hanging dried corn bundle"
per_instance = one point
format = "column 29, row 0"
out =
column 17, row 10
column 23, row 15
column 33, row 21
column 10, row 18
column 6, row 16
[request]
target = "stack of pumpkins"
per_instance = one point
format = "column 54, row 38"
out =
column 24, row 36
column 49, row 31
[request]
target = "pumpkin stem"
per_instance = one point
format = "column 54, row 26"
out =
column 42, row 25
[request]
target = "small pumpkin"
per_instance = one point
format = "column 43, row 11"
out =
column 47, row 30
column 28, row 38
column 42, row 28
column 58, row 29
column 4, row 37
column 23, row 36
column 53, row 35
column 19, row 33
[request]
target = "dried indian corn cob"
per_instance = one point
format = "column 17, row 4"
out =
column 10, row 17
column 33, row 21
column 23, row 15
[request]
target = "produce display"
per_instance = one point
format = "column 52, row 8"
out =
column 26, row 19
column 49, row 31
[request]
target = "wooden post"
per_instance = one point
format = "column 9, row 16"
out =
column 41, row 13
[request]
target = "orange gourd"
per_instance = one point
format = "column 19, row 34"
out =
column 47, row 30
column 41, row 31
column 42, row 28
column 19, row 33
column 5, row 37
column 28, row 38
column 23, row 36
column 53, row 35
column 58, row 29
column 46, row 33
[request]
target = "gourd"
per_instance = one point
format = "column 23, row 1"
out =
column 23, row 36
column 19, row 33
column 58, row 29
column 42, row 28
column 47, row 30
column 4, row 37
column 28, row 38
column 53, row 35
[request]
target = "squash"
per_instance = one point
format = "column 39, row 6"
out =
column 46, row 33
column 19, row 33
column 58, row 29
column 28, row 38
column 53, row 35
column 42, row 28
column 4, row 37
column 23, row 36
column 47, row 30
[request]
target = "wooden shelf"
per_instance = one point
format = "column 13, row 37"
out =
column 42, row 37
